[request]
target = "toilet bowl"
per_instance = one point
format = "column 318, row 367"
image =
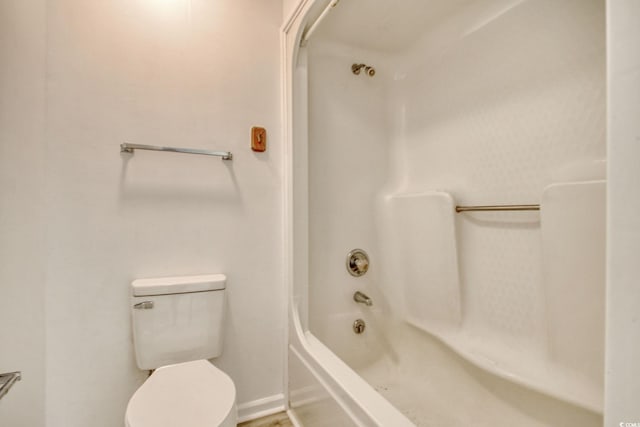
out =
column 191, row 394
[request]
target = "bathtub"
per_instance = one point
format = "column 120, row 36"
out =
column 410, row 379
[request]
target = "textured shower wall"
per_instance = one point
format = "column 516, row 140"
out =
column 492, row 106
column 348, row 144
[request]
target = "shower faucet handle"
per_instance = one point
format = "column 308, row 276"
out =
column 362, row 264
column 357, row 262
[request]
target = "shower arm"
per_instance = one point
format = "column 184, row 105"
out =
column 307, row 34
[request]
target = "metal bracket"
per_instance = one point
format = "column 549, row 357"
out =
column 144, row 305
column 7, row 380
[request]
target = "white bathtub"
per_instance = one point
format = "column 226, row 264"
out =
column 410, row 379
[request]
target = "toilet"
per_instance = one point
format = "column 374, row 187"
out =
column 177, row 326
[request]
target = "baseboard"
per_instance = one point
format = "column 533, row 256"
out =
column 260, row 408
column 294, row 419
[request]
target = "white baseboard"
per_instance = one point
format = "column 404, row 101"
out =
column 260, row 407
column 294, row 419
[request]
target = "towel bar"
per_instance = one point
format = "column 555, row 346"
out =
column 129, row 148
column 497, row 208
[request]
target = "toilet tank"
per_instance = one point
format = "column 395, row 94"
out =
column 177, row 319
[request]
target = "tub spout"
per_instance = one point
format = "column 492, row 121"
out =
column 362, row 298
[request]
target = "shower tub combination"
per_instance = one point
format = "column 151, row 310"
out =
column 461, row 144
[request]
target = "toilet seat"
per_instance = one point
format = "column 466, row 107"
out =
column 192, row 394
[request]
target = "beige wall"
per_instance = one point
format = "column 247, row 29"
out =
column 22, row 153
column 189, row 73
column 288, row 7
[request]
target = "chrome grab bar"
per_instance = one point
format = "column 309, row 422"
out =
column 7, row 380
column 129, row 148
column 497, row 208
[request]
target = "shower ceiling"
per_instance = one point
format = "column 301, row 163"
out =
column 384, row 25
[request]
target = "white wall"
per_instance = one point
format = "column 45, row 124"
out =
column 623, row 292
column 22, row 328
column 190, row 73
column 187, row 73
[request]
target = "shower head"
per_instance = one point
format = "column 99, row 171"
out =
column 368, row 70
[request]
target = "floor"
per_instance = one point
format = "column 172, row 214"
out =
column 276, row 420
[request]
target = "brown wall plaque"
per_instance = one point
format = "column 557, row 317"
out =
column 258, row 139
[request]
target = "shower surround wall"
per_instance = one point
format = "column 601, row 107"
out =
column 179, row 73
column 348, row 137
column 494, row 119
column 494, row 103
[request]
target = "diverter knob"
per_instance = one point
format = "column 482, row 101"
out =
column 357, row 262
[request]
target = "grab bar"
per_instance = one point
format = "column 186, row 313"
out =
column 129, row 148
column 497, row 208
column 7, row 380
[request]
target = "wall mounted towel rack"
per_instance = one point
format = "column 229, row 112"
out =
column 497, row 208
column 129, row 148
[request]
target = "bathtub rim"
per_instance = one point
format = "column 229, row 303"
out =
column 360, row 401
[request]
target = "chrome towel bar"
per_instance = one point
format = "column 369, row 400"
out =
column 497, row 208
column 7, row 380
column 129, row 148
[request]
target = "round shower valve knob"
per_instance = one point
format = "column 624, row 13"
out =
column 357, row 262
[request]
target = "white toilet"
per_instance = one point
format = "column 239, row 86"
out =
column 177, row 326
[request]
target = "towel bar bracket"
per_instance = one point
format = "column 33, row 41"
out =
column 7, row 381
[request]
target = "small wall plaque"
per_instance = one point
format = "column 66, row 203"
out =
column 258, row 139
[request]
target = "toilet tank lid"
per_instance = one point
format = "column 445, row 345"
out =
column 178, row 284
